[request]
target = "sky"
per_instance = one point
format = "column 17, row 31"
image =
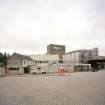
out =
column 28, row 26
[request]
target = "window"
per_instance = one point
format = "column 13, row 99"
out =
column 60, row 61
column 40, row 61
column 25, row 62
column 13, row 68
column 82, row 56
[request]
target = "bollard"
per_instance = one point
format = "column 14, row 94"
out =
column 61, row 71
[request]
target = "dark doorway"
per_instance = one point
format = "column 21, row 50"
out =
column 97, row 64
column 26, row 69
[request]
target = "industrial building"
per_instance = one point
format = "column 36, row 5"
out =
column 78, row 60
column 80, row 56
column 44, row 63
column 19, row 64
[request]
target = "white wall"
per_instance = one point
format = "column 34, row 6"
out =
column 13, row 72
column 21, row 71
column 72, row 57
column 33, row 69
column 16, row 72
column 77, row 57
column 53, row 69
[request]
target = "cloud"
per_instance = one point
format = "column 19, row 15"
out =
column 28, row 26
column 17, row 41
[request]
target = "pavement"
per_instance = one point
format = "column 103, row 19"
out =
column 84, row 88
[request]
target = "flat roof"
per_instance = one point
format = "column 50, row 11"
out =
column 45, row 57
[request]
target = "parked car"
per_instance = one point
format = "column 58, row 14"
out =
column 39, row 70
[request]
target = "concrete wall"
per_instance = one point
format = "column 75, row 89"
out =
column 21, row 70
column 53, row 69
column 69, row 68
column 15, row 63
column 13, row 72
column 16, row 72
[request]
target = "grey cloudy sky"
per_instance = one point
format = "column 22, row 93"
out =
column 28, row 26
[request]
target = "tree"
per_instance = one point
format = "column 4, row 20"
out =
column 3, row 59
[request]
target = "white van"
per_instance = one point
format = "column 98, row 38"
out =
column 39, row 70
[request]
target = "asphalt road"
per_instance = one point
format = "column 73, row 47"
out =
column 86, row 88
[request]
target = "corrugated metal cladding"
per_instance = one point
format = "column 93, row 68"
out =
column 80, row 56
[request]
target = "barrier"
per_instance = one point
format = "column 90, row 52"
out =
column 61, row 71
column 2, row 72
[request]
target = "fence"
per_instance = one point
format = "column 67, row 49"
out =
column 2, row 72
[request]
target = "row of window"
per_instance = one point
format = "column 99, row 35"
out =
column 41, row 61
column 25, row 62
column 13, row 68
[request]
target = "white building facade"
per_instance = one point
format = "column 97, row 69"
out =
column 80, row 56
column 44, row 63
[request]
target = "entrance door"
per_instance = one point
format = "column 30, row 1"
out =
column 26, row 69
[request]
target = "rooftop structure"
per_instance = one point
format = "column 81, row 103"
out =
column 56, row 49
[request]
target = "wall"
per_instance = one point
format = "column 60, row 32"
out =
column 72, row 57
column 16, row 72
column 12, row 72
column 21, row 70
column 15, row 63
column 53, row 69
column 94, row 53
column 33, row 69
